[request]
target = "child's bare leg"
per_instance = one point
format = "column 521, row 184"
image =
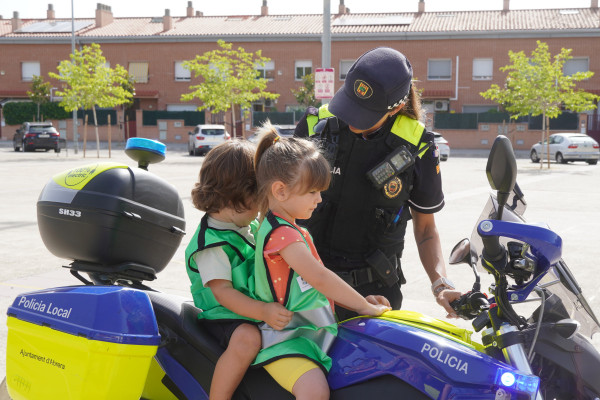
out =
column 243, row 347
column 312, row 385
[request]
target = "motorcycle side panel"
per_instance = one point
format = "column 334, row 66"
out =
column 435, row 365
column 67, row 343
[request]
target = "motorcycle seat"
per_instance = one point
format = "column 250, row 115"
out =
column 179, row 315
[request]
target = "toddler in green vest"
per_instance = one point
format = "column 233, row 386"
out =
column 291, row 173
column 220, row 261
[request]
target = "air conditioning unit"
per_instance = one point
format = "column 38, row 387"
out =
column 441, row 105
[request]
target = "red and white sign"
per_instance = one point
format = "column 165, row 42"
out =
column 324, row 83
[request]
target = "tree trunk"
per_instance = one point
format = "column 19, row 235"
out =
column 38, row 112
column 233, row 120
column 97, row 136
column 547, row 123
column 85, row 124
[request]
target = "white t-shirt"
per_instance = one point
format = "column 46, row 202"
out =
column 213, row 263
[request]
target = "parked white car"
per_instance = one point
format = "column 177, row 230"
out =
column 205, row 137
column 442, row 145
column 565, row 147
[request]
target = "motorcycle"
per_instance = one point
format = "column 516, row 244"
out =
column 115, row 337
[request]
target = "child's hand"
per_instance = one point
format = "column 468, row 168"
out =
column 277, row 316
column 376, row 305
column 377, row 299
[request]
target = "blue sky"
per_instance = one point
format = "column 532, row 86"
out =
column 155, row 8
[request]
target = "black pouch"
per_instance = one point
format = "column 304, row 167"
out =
column 385, row 270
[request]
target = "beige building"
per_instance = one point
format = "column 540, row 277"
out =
column 455, row 55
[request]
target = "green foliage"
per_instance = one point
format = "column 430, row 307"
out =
column 39, row 93
column 229, row 78
column 89, row 82
column 18, row 112
column 305, row 95
column 537, row 85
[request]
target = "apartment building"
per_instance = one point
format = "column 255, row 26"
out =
column 455, row 55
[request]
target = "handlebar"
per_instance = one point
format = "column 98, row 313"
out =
column 470, row 305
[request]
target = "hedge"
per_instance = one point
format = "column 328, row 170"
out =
column 16, row 113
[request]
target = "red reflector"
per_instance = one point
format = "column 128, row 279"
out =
column 30, row 135
column 573, row 146
column 596, row 146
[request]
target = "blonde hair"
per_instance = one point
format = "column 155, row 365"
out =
column 295, row 162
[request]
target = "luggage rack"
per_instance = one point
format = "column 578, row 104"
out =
column 127, row 274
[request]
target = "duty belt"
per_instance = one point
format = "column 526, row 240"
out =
column 358, row 277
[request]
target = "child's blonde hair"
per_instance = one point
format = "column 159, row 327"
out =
column 295, row 162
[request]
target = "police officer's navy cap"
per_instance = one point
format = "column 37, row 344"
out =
column 376, row 83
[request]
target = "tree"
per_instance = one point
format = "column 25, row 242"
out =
column 39, row 93
column 230, row 78
column 305, row 95
column 89, row 82
column 537, row 85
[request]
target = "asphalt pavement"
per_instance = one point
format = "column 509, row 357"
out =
column 567, row 197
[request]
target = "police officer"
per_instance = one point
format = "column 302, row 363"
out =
column 385, row 171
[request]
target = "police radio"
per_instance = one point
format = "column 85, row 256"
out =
column 394, row 164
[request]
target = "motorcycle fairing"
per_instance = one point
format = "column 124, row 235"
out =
column 433, row 325
column 435, row 364
column 69, row 342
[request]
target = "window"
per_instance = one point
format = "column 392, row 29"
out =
column 303, row 68
column 483, row 69
column 267, row 71
column 576, row 64
column 182, row 74
column 439, row 70
column 344, row 68
column 182, row 107
column 139, row 71
column 29, row 69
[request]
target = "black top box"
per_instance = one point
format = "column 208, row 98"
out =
column 111, row 218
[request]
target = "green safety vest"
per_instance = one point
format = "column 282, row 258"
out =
column 241, row 257
column 313, row 327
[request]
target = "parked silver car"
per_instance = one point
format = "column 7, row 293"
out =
column 565, row 147
column 286, row 131
column 205, row 137
column 442, row 145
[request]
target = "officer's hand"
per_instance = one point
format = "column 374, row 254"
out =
column 276, row 315
column 445, row 297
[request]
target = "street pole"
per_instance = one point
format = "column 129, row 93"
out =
column 75, row 141
column 326, row 39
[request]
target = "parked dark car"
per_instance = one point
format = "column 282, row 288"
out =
column 37, row 135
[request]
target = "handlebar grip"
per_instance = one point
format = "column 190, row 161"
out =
column 492, row 248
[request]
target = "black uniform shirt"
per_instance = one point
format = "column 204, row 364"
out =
column 426, row 195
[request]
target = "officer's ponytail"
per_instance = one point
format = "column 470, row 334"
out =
column 412, row 109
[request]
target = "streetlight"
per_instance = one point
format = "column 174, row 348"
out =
column 326, row 39
column 75, row 141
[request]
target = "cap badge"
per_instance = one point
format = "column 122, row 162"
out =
column 362, row 89
column 393, row 188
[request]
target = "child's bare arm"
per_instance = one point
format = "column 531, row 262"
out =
column 300, row 259
column 274, row 314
